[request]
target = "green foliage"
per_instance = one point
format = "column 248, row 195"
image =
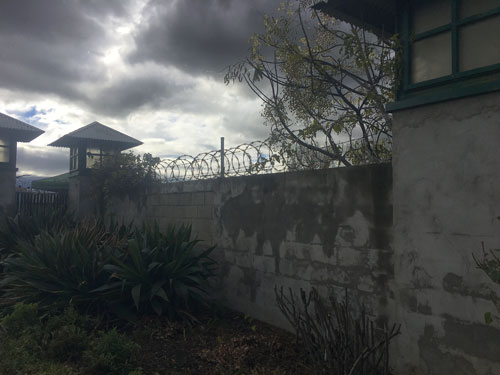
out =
column 125, row 175
column 30, row 341
column 66, row 335
column 162, row 273
column 61, row 269
column 27, row 227
column 116, row 271
column 111, row 353
column 327, row 82
column 22, row 317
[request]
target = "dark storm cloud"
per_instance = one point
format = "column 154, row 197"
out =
column 132, row 93
column 52, row 46
column 42, row 161
column 199, row 36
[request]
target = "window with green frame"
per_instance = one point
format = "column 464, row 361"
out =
column 451, row 49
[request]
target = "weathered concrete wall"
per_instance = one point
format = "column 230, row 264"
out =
column 446, row 201
column 331, row 229
column 83, row 196
column 185, row 203
column 8, row 191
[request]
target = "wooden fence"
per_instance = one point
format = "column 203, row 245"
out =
column 31, row 203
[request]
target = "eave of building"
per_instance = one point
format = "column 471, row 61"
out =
column 378, row 16
column 97, row 134
column 20, row 131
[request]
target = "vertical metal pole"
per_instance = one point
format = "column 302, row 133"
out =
column 222, row 157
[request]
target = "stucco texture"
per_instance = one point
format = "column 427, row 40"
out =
column 446, row 202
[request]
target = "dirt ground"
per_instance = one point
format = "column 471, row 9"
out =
column 229, row 344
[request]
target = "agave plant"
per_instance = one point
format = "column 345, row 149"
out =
column 26, row 227
column 161, row 273
column 55, row 270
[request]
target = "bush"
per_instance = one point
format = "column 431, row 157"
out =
column 162, row 273
column 22, row 318
column 111, row 353
column 29, row 341
column 116, row 271
column 337, row 341
column 66, row 336
column 27, row 227
column 56, row 270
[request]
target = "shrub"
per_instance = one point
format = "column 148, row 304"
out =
column 111, row 353
column 337, row 341
column 27, row 227
column 56, row 270
column 162, row 273
column 22, row 317
column 116, row 271
column 29, row 341
column 66, row 335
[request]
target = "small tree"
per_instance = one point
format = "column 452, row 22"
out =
column 321, row 80
column 125, row 174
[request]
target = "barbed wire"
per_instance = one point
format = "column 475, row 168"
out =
column 258, row 157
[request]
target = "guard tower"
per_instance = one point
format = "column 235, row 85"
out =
column 89, row 147
column 11, row 132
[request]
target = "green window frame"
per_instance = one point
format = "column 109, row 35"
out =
column 454, row 85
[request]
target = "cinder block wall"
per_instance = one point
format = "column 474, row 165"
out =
column 171, row 205
column 331, row 229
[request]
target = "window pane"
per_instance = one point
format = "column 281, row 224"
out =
column 430, row 14
column 431, row 58
column 4, row 154
column 94, row 150
column 73, row 163
column 92, row 161
column 4, row 142
column 472, row 7
column 480, row 44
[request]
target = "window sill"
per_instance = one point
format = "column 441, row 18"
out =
column 449, row 92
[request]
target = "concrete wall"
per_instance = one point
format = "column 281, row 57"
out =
column 330, row 229
column 8, row 191
column 446, row 201
column 83, row 196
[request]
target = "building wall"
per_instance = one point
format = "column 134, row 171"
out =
column 8, row 191
column 446, row 202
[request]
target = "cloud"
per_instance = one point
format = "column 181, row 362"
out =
column 53, row 47
column 41, row 161
column 199, row 36
column 150, row 69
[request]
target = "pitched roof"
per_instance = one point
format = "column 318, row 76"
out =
column 97, row 133
column 378, row 16
column 21, row 131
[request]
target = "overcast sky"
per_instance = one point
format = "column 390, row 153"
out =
column 152, row 69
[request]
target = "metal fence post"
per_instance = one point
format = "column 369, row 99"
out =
column 222, row 157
